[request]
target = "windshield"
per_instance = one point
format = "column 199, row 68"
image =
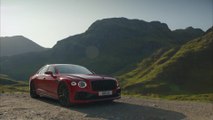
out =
column 72, row 69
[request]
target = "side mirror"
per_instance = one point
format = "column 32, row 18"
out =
column 50, row 73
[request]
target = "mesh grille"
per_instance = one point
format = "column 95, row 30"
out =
column 101, row 85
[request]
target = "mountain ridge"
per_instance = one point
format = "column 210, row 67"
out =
column 18, row 44
column 110, row 48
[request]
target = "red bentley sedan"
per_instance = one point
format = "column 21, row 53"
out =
column 73, row 84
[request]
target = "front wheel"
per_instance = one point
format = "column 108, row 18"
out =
column 63, row 95
column 33, row 93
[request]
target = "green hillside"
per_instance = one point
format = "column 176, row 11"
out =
column 184, row 72
column 9, row 85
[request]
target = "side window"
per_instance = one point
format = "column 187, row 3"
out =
column 52, row 69
column 43, row 70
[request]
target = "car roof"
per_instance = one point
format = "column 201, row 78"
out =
column 62, row 64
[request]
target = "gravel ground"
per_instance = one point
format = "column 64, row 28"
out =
column 22, row 107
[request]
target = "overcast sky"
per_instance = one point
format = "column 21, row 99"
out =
column 47, row 21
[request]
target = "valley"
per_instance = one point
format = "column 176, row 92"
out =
column 147, row 58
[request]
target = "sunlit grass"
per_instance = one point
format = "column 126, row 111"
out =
column 9, row 85
column 179, row 97
column 181, row 73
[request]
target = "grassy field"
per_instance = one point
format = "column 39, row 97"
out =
column 9, row 85
column 180, row 97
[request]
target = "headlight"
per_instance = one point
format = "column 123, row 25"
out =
column 82, row 84
column 73, row 83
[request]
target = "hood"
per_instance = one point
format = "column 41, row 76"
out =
column 90, row 76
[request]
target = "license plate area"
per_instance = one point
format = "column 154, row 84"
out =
column 104, row 93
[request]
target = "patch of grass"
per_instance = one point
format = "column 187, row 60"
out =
column 9, row 85
column 13, row 89
column 182, row 97
column 191, row 97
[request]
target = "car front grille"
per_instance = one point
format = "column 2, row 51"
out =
column 101, row 85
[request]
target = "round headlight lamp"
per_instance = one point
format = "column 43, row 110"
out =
column 73, row 83
column 82, row 84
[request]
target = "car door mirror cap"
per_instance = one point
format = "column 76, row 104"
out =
column 50, row 73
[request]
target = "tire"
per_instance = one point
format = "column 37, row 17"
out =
column 63, row 95
column 33, row 93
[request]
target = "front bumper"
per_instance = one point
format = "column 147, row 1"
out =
column 85, row 96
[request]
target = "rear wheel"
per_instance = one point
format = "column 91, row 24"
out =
column 63, row 95
column 33, row 93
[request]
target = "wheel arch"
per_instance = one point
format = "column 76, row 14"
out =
column 31, row 81
column 61, row 82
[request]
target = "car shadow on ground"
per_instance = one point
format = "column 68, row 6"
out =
column 121, row 111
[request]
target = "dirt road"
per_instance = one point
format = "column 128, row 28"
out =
column 21, row 106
